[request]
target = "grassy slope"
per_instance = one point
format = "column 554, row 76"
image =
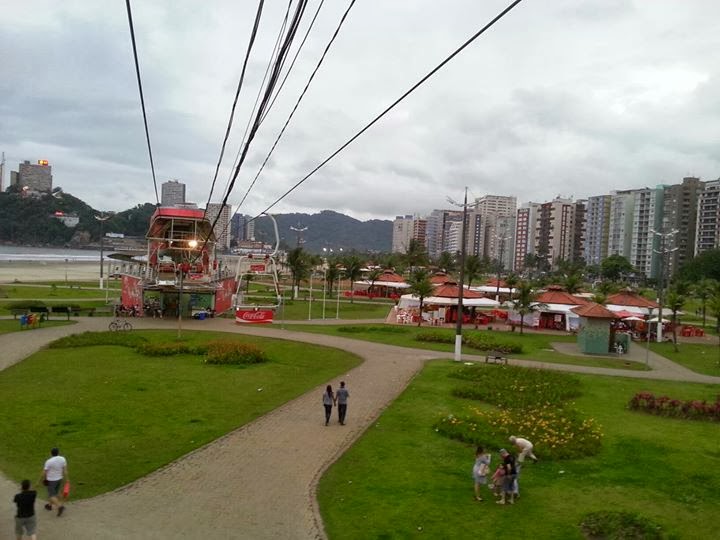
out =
column 697, row 357
column 402, row 476
column 142, row 411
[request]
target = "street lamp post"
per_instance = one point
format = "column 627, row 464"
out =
column 662, row 252
column 501, row 241
column 310, row 298
column 102, row 218
column 459, row 322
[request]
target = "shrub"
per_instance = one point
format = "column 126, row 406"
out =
column 170, row 349
column 476, row 340
column 490, row 342
column 25, row 304
column 620, row 525
column 377, row 329
column 91, row 339
column 675, row 408
column 435, row 336
column 557, row 433
column 515, row 387
column 234, row 352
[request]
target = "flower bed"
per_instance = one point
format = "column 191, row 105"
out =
column 234, row 352
column 515, row 387
column 531, row 404
column 675, row 408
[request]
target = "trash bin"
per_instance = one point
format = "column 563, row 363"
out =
column 201, row 315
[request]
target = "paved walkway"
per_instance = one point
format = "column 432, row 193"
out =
column 258, row 481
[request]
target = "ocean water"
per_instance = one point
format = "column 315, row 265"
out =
column 19, row 253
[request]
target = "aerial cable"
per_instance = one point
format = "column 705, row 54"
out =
column 292, row 64
column 142, row 98
column 259, row 93
column 299, row 99
column 272, row 81
column 392, row 106
column 258, row 15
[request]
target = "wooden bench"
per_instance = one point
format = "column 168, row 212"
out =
column 495, row 357
column 62, row 309
column 42, row 312
column 18, row 311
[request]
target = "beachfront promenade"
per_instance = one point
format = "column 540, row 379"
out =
column 258, row 481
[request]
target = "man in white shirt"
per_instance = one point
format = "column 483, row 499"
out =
column 525, row 448
column 54, row 471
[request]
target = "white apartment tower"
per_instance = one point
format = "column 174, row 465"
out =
column 172, row 193
column 222, row 227
column 708, row 218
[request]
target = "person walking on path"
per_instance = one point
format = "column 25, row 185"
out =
column 25, row 519
column 328, row 401
column 509, row 487
column 525, row 448
column 480, row 470
column 341, row 398
column 54, row 471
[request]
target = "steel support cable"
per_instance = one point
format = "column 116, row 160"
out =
column 292, row 64
column 142, row 98
column 300, row 98
column 259, row 93
column 393, row 105
column 253, row 35
column 274, row 75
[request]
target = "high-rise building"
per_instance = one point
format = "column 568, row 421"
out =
column 680, row 207
column 2, row 172
column 437, row 229
column 708, row 218
column 222, row 227
column 173, row 193
column 525, row 233
column 597, row 229
column 556, row 230
column 484, row 235
column 403, row 228
column 646, row 222
column 34, row 177
column 622, row 207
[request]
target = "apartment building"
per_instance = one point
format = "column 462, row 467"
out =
column 597, row 229
column 707, row 234
column 680, row 211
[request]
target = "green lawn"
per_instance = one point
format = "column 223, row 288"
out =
column 110, row 403
column 404, row 480
column 535, row 346
column 18, row 292
column 9, row 325
column 697, row 357
column 297, row 310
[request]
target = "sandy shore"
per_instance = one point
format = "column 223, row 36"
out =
column 27, row 271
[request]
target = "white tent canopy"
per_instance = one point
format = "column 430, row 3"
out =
column 393, row 284
column 410, row 301
column 493, row 290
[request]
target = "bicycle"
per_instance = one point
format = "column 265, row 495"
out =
column 119, row 325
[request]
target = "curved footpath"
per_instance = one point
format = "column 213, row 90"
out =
column 258, row 481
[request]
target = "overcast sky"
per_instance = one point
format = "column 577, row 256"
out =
column 562, row 97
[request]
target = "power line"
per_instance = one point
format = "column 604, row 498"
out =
column 272, row 81
column 142, row 97
column 259, row 93
column 393, row 105
column 258, row 15
column 299, row 99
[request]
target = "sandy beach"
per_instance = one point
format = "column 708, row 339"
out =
column 29, row 271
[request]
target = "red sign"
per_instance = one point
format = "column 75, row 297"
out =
column 252, row 316
column 224, row 294
column 132, row 292
column 257, row 267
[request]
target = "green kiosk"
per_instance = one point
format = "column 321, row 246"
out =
column 595, row 335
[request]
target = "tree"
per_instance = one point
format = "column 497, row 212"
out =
column 422, row 287
column 714, row 306
column 675, row 301
column 705, row 265
column 572, row 283
column 331, row 276
column 524, row 302
column 511, row 281
column 614, row 266
column 415, row 255
column 248, row 278
column 473, row 268
column 704, row 291
column 299, row 265
column 372, row 277
column 353, row 271
column 446, row 262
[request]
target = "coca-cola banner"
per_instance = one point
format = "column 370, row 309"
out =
column 224, row 294
column 132, row 292
column 253, row 316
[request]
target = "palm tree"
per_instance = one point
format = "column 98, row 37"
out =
column 572, row 282
column 473, row 268
column 420, row 286
column 331, row 276
column 372, row 277
column 675, row 301
column 511, row 281
column 248, row 278
column 353, row 271
column 525, row 303
column 415, row 255
column 297, row 262
column 703, row 291
column 446, row 262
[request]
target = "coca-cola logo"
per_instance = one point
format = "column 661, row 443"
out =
column 254, row 316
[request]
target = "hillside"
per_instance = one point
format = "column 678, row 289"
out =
column 329, row 230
